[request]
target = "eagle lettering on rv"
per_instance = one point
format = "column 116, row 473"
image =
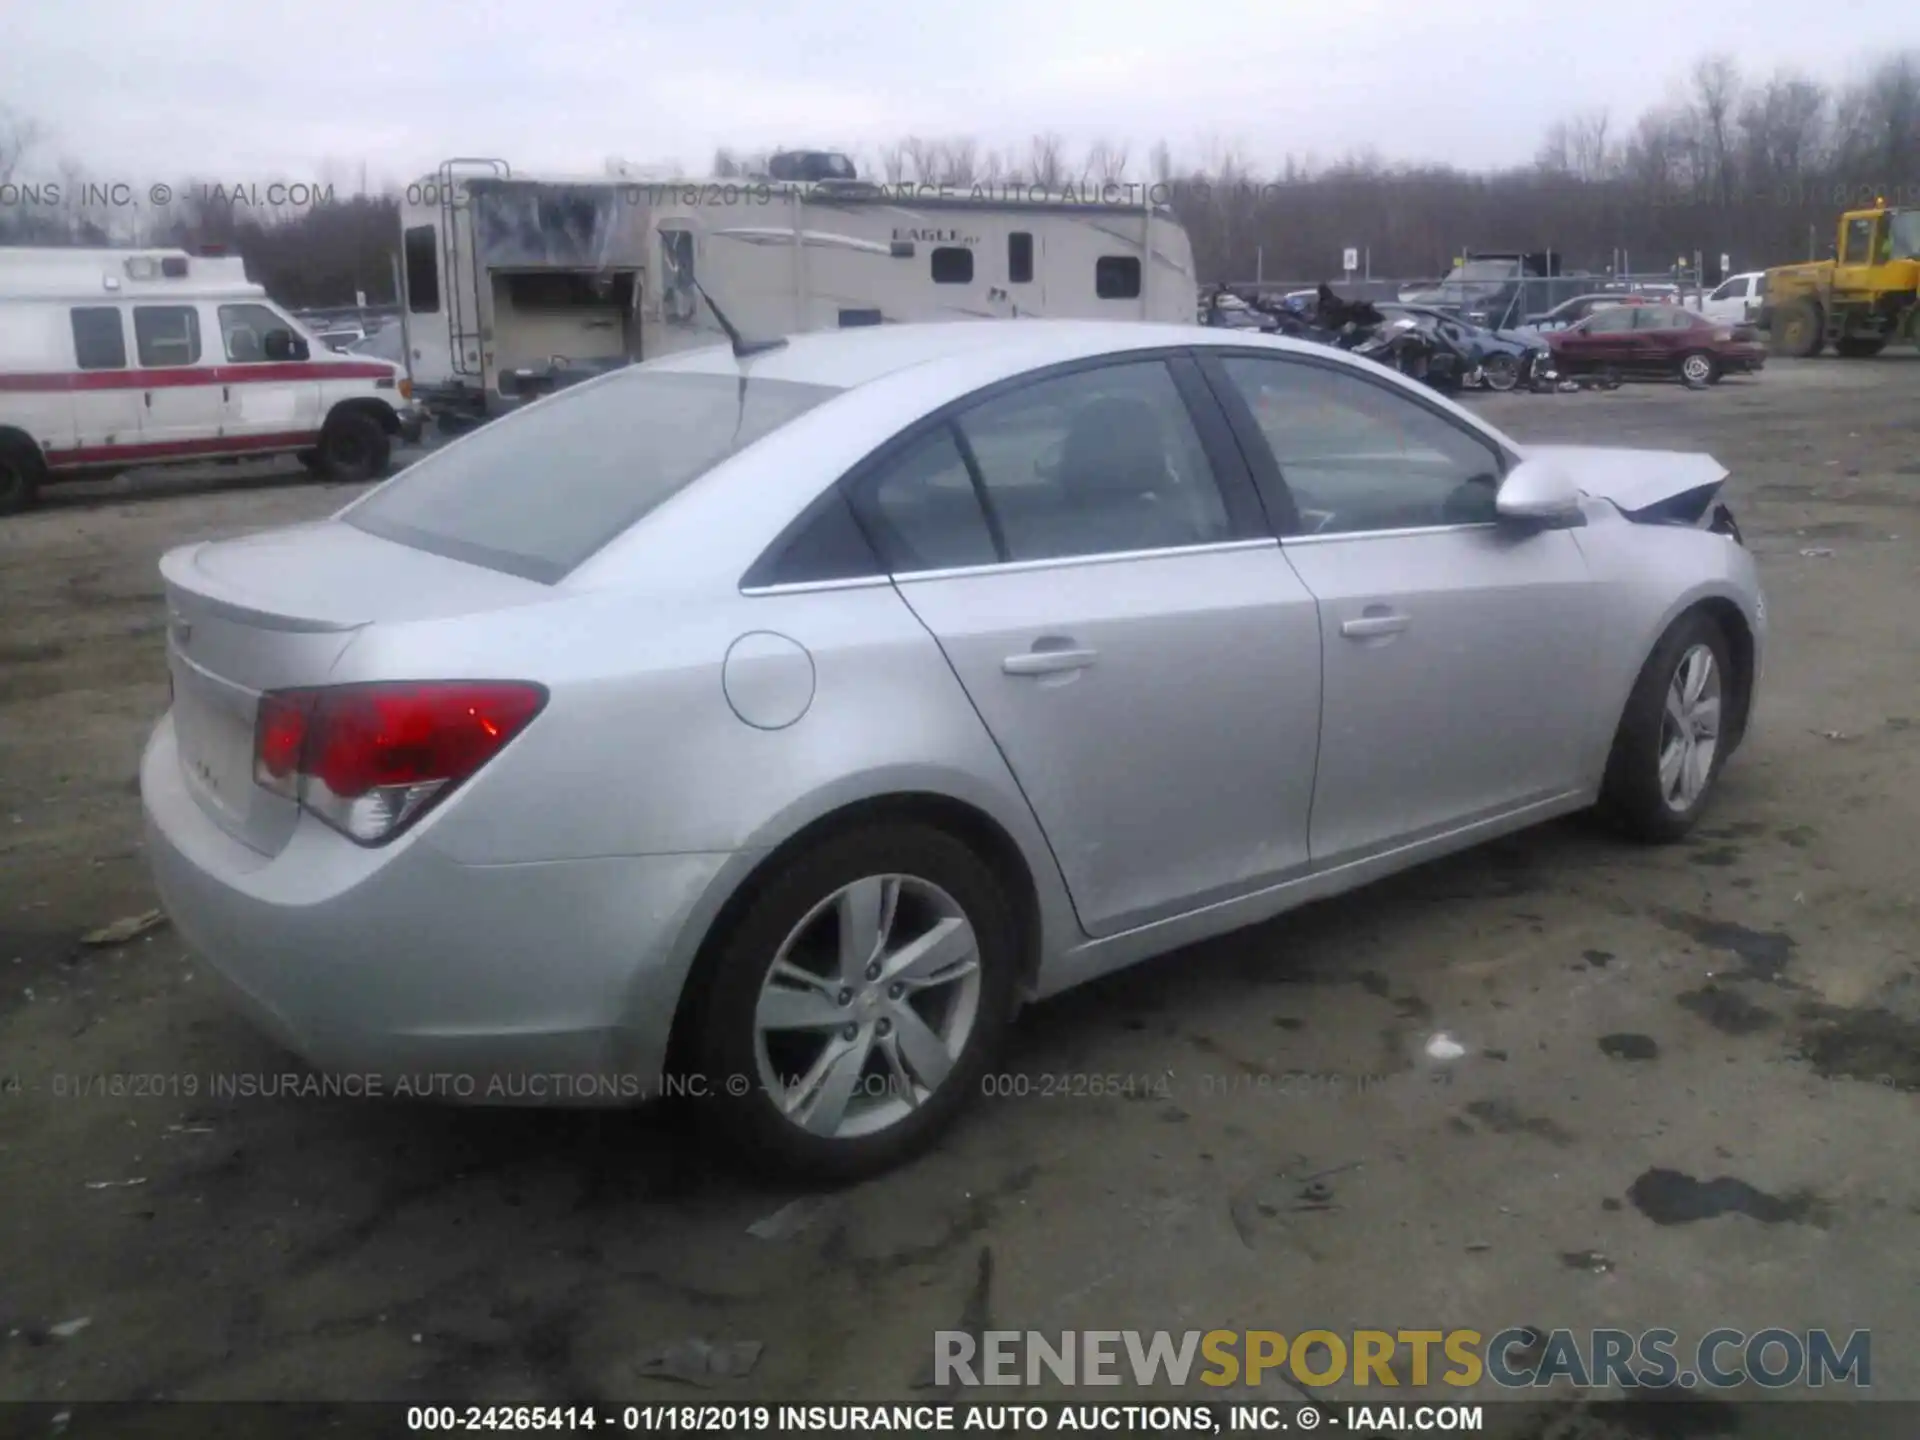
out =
column 936, row 237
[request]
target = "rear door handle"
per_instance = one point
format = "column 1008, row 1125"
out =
column 1048, row 662
column 1370, row 625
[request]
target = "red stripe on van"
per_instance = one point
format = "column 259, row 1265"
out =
column 172, row 376
column 214, row 447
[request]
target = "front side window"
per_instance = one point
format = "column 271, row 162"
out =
column 1611, row 321
column 537, row 492
column 1095, row 462
column 244, row 330
column 1859, row 241
column 167, row 334
column 1732, row 290
column 1357, row 457
column 99, row 339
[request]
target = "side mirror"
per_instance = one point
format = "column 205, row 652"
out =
column 277, row 345
column 1539, row 493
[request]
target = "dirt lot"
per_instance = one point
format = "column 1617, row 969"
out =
column 1741, row 1006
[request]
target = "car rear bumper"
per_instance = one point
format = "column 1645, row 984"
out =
column 550, row 983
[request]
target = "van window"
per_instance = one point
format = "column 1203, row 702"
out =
column 422, row 248
column 1020, row 258
column 952, row 265
column 243, row 331
column 1116, row 277
column 99, row 339
column 167, row 334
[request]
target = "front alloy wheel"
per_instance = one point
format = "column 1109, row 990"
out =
column 1690, row 730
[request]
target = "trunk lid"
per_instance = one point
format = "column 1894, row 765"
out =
column 279, row 609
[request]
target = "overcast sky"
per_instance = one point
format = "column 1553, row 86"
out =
column 215, row 89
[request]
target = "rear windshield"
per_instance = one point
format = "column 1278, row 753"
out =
column 537, row 492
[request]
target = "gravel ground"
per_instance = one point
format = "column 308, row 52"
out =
column 1743, row 1006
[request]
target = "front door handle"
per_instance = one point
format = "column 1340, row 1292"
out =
column 1368, row 626
column 1048, row 662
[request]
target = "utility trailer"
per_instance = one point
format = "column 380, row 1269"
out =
column 517, row 284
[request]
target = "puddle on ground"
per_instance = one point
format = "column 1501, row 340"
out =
column 1727, row 1011
column 1668, row 1197
column 1627, row 1046
column 1763, row 953
column 1872, row 1045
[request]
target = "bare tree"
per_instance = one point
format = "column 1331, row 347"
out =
column 959, row 161
column 1047, row 160
column 1105, row 164
column 923, row 158
column 1781, row 129
column 1716, row 88
column 893, row 162
column 725, row 167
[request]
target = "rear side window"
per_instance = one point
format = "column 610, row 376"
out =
column 923, row 511
column 99, row 339
column 537, row 492
column 167, row 334
column 423, row 270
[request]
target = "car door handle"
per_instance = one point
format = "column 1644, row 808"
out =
column 1048, row 662
column 1370, row 625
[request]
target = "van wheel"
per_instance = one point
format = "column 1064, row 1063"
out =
column 857, row 1002
column 310, row 460
column 21, row 474
column 353, row 449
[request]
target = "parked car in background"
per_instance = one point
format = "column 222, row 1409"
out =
column 1501, row 359
column 1657, row 340
column 815, row 710
column 1738, row 300
column 1571, row 312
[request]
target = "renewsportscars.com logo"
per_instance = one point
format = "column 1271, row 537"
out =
column 1516, row 1358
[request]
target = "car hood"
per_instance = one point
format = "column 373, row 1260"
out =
column 1639, row 482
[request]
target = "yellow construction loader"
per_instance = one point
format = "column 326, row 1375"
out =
column 1866, row 296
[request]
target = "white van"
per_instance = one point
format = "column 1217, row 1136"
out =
column 112, row 359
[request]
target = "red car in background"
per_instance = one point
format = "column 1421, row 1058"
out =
column 1657, row 340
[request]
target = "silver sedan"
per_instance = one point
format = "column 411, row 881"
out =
column 767, row 728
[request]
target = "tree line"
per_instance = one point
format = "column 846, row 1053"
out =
column 1754, row 167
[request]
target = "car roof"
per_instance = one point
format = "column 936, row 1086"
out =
column 860, row 355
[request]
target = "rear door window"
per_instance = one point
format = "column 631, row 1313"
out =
column 536, row 493
column 99, row 339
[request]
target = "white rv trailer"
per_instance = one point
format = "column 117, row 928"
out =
column 516, row 284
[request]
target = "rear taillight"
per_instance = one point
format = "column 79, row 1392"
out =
column 1722, row 336
column 371, row 759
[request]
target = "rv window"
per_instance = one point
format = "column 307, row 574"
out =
column 167, row 334
column 99, row 339
column 851, row 318
column 1116, row 277
column 243, row 329
column 607, row 452
column 1019, row 258
column 559, row 290
column 423, row 270
column 952, row 265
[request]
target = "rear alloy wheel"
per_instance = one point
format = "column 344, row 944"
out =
column 1698, row 368
column 21, row 472
column 857, row 1003
column 353, row 449
column 1501, row 372
column 1667, row 752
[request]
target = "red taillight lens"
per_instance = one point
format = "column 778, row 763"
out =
column 370, row 759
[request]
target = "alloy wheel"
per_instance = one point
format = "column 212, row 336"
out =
column 1697, row 368
column 1690, row 729
column 867, row 1005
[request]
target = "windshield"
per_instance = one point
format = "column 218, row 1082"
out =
column 1905, row 235
column 537, row 492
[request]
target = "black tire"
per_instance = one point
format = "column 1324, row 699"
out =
column 22, row 472
column 1858, row 347
column 1798, row 330
column 1632, row 796
column 1699, row 368
column 353, row 448
column 310, row 459
column 726, row 1045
